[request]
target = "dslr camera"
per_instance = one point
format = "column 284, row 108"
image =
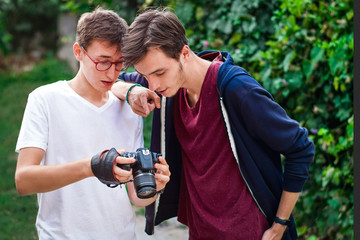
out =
column 143, row 171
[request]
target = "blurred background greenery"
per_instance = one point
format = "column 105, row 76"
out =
column 300, row 50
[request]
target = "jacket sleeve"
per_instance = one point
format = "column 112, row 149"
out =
column 267, row 122
column 134, row 77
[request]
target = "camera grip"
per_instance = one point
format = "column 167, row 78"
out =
column 126, row 167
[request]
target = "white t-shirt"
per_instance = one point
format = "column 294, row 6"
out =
column 70, row 128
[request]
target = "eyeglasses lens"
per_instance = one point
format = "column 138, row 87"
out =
column 103, row 66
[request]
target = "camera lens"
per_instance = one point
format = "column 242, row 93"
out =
column 146, row 192
column 145, row 185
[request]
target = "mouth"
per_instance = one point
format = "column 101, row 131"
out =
column 161, row 91
column 107, row 83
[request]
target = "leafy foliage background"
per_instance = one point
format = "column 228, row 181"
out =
column 300, row 50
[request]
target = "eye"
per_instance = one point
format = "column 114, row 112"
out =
column 104, row 63
column 159, row 74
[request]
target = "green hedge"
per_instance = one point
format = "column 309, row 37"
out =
column 308, row 67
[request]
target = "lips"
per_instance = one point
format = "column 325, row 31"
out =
column 107, row 83
column 161, row 91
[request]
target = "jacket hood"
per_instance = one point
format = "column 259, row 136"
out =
column 227, row 70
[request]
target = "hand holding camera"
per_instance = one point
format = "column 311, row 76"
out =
column 149, row 170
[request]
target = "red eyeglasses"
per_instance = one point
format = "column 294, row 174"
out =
column 105, row 65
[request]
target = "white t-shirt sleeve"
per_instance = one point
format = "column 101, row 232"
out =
column 34, row 127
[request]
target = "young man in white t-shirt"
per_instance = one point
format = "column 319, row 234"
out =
column 66, row 125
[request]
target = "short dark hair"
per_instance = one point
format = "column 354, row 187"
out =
column 101, row 24
column 154, row 28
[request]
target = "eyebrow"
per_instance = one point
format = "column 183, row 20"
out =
column 108, row 57
column 157, row 70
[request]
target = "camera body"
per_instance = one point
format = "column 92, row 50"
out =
column 143, row 171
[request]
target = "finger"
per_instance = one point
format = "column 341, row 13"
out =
column 151, row 106
column 162, row 167
column 145, row 105
column 140, row 113
column 138, row 109
column 124, row 160
column 157, row 102
column 163, row 161
column 161, row 180
column 122, row 175
column 155, row 99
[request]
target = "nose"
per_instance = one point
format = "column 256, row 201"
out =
column 154, row 84
column 112, row 73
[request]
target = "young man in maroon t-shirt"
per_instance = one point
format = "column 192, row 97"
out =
column 221, row 133
column 213, row 194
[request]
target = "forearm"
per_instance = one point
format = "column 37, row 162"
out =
column 286, row 206
column 120, row 88
column 39, row 178
column 143, row 202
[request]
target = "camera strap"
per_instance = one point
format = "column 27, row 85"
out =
column 102, row 165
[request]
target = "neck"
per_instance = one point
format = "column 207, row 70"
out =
column 197, row 69
column 84, row 89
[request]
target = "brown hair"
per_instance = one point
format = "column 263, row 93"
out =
column 154, row 28
column 101, row 24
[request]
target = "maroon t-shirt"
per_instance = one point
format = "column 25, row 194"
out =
column 214, row 200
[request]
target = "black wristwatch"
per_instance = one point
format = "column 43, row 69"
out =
column 285, row 222
column 160, row 191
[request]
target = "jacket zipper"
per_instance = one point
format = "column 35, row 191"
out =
column 162, row 139
column 233, row 148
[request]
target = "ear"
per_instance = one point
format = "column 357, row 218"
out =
column 77, row 51
column 185, row 53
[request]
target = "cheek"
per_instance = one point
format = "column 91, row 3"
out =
column 180, row 77
column 91, row 74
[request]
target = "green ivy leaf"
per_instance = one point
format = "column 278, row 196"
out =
column 235, row 39
column 317, row 54
column 307, row 67
column 184, row 12
column 294, row 79
column 287, row 60
column 265, row 72
column 312, row 237
column 335, row 64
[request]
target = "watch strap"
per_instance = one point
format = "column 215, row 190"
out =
column 160, row 191
column 285, row 222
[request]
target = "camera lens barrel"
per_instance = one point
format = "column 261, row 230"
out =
column 145, row 185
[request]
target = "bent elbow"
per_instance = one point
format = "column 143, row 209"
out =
column 20, row 184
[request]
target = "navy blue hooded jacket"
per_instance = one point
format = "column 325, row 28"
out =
column 259, row 131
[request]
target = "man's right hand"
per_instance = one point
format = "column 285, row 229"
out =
column 142, row 100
